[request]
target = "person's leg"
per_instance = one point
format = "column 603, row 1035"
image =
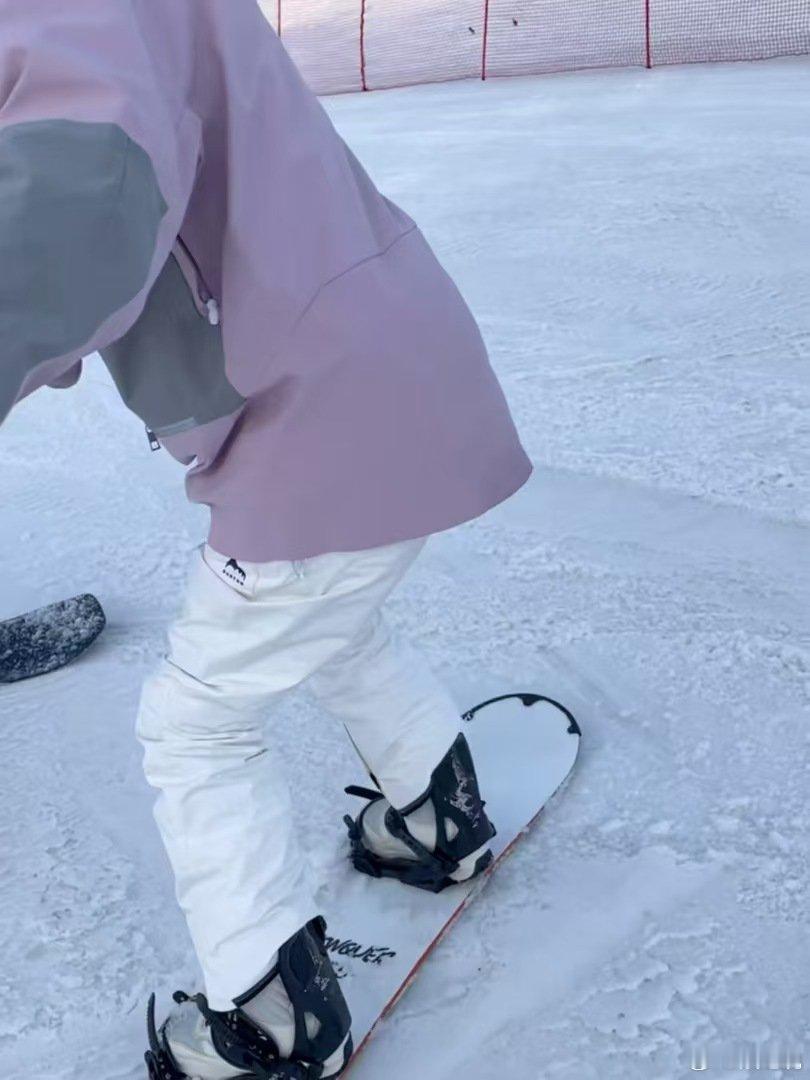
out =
column 399, row 716
column 248, row 632
column 224, row 808
column 429, row 828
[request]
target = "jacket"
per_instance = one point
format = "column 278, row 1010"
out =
column 173, row 196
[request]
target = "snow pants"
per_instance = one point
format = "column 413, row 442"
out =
column 249, row 632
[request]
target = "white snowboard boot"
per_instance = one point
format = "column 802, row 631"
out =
column 440, row 839
column 293, row 1025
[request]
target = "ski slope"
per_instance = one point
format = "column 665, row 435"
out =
column 636, row 247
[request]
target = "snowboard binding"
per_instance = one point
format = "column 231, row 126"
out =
column 240, row 1039
column 463, row 829
column 313, row 990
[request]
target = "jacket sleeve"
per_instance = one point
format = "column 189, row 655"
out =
column 93, row 186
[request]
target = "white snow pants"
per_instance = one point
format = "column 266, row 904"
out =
column 250, row 631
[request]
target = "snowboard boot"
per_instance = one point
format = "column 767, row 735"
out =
column 440, row 839
column 293, row 1025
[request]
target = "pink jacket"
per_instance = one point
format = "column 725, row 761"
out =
column 173, row 195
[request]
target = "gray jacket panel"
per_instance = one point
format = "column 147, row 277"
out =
column 170, row 366
column 80, row 209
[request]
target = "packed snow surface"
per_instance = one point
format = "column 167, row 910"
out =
column 637, row 248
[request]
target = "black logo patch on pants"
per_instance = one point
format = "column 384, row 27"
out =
column 234, row 571
column 239, row 577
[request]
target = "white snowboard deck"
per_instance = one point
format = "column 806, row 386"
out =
column 381, row 931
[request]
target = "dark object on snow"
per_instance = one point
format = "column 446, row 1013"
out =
column 48, row 638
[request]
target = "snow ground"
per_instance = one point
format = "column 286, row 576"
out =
column 636, row 247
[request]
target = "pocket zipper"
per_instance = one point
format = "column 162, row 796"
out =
column 204, row 301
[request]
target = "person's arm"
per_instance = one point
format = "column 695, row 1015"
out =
column 93, row 186
column 80, row 209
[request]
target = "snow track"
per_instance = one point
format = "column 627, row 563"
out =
column 636, row 247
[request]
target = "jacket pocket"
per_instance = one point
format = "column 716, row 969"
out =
column 170, row 366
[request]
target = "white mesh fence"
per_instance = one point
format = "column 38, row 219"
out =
column 698, row 30
column 345, row 45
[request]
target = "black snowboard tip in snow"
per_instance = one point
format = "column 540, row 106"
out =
column 47, row 639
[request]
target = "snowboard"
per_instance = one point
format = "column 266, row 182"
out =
column 48, row 638
column 381, row 932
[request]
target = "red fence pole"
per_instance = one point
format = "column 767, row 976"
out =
column 648, row 32
column 486, row 40
column 363, row 44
